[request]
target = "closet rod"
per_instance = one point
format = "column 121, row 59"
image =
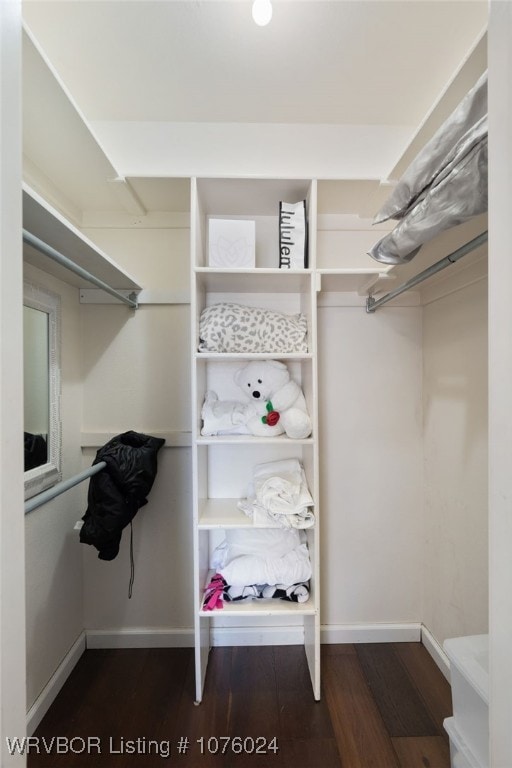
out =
column 47, row 250
column 65, row 485
column 373, row 304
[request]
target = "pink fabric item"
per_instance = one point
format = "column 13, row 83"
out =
column 213, row 593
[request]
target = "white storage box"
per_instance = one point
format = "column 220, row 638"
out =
column 232, row 243
column 460, row 754
column 469, row 672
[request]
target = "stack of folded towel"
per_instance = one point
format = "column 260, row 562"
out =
column 259, row 563
column 278, row 496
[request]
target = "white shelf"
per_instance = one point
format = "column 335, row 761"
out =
column 238, row 357
column 263, row 608
column 278, row 281
column 260, row 606
column 273, row 280
column 252, row 439
column 347, row 280
column 221, row 513
column 46, row 223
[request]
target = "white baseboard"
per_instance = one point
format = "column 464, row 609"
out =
column 435, row 650
column 260, row 635
column 370, row 633
column 139, row 638
column 47, row 696
column 184, row 638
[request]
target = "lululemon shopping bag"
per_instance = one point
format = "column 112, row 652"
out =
column 293, row 235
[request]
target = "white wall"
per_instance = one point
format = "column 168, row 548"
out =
column 54, row 593
column 12, row 561
column 162, row 596
column 370, row 464
column 500, row 383
column 137, row 376
column 455, row 570
column 136, row 368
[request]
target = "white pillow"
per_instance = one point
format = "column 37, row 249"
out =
column 245, row 570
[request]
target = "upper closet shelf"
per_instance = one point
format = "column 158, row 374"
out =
column 46, row 224
column 216, row 280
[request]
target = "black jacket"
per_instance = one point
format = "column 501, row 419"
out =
column 36, row 452
column 119, row 490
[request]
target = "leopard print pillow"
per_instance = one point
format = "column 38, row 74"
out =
column 226, row 327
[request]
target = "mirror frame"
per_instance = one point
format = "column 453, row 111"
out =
column 40, row 478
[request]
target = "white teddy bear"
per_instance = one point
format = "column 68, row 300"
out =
column 277, row 403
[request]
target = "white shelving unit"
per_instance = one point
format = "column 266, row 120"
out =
column 223, row 465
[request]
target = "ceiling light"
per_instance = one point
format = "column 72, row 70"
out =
column 261, row 12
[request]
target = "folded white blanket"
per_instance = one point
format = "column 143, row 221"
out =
column 228, row 327
column 262, row 556
column 261, row 542
column 224, row 417
column 293, row 567
column 279, row 496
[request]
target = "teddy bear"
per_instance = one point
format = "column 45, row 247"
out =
column 277, row 404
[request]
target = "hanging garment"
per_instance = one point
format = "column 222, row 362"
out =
column 118, row 491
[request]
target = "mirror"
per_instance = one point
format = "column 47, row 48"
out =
column 42, row 425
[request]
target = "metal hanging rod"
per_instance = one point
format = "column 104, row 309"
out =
column 51, row 493
column 373, row 304
column 47, row 250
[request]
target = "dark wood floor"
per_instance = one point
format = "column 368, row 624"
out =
column 382, row 707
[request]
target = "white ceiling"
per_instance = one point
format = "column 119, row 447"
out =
column 316, row 62
column 376, row 64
